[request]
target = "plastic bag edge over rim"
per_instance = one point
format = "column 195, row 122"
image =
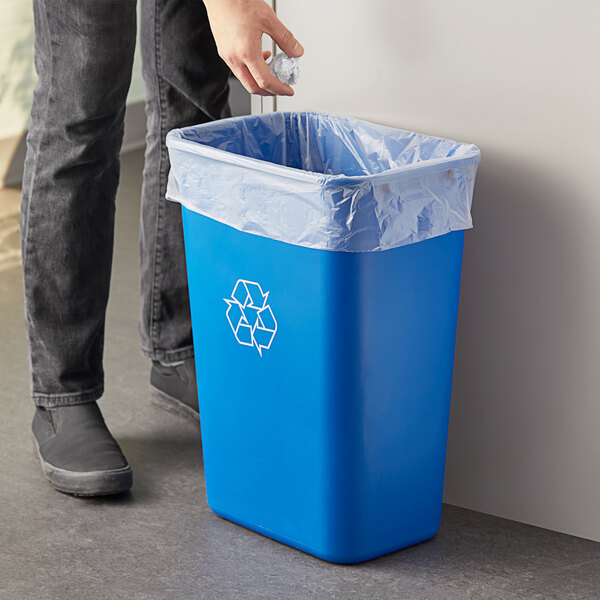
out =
column 175, row 140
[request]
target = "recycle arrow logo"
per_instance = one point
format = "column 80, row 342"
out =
column 250, row 317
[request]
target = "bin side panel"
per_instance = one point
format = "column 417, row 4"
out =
column 408, row 307
column 391, row 337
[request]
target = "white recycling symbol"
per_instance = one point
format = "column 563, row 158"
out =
column 250, row 317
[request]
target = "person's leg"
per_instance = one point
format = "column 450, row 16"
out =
column 83, row 56
column 186, row 83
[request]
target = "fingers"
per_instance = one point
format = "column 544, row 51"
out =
column 257, row 78
column 283, row 37
column 265, row 80
column 246, row 79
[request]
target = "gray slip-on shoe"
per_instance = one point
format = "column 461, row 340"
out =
column 78, row 454
column 174, row 388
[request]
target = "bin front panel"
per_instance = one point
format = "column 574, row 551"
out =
column 263, row 409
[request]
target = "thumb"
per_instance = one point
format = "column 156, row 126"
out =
column 283, row 37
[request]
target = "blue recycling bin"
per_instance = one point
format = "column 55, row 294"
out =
column 324, row 263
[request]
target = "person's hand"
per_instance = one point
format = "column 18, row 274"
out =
column 237, row 27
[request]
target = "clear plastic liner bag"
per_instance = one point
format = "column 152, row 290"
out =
column 322, row 181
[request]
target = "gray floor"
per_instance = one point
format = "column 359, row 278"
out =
column 161, row 540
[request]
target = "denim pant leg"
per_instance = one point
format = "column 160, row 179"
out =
column 83, row 56
column 186, row 83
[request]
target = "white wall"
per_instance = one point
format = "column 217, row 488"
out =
column 521, row 79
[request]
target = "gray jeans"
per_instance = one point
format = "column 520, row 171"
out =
column 83, row 56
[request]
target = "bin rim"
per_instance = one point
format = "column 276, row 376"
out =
column 176, row 141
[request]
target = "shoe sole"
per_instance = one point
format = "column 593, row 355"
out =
column 90, row 483
column 173, row 405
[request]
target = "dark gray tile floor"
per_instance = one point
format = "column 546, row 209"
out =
column 161, row 540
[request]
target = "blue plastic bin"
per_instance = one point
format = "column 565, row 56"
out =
column 324, row 348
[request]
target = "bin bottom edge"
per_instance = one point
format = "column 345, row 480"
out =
column 326, row 555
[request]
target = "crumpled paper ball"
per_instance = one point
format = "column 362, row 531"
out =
column 285, row 68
